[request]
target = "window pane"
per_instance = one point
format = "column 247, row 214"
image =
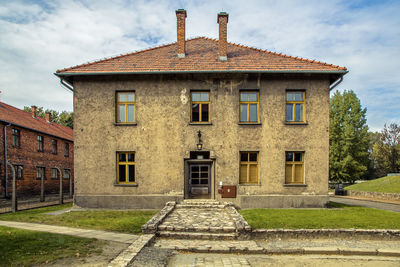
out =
column 288, row 173
column 243, row 174
column 299, row 173
column 131, row 113
column 244, row 156
column 299, row 96
column 121, row 172
column 122, row 157
column 131, row 173
column 289, row 96
column 130, row 97
column 195, row 181
column 196, row 96
column 195, row 112
column 289, row 156
column 204, row 181
column 204, row 97
column 204, row 112
column 195, row 168
column 243, row 112
column 253, row 113
column 244, row 97
column 121, row 113
column 131, row 157
column 204, row 175
column 299, row 112
column 204, row 168
column 297, row 157
column 122, row 97
column 289, row 112
column 252, row 96
column 253, row 174
column 195, row 175
column 253, row 156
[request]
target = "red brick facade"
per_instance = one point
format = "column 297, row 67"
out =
column 28, row 156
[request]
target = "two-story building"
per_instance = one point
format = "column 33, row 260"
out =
column 36, row 147
column 176, row 121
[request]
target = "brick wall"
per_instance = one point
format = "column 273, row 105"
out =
column 28, row 156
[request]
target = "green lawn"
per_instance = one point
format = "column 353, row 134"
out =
column 340, row 216
column 118, row 221
column 27, row 248
column 388, row 184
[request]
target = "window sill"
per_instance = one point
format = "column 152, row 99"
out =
column 249, row 184
column 295, row 185
column 249, row 123
column 295, row 123
column 199, row 123
column 126, row 185
column 125, row 124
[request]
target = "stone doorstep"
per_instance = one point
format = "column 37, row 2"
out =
column 197, row 235
column 225, row 229
column 196, row 206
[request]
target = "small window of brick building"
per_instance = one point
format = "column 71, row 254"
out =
column 40, row 173
column 16, row 138
column 54, row 173
column 40, row 143
column 54, row 144
column 66, row 150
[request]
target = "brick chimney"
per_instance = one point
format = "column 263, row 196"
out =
column 223, row 42
column 34, row 110
column 48, row 117
column 180, row 28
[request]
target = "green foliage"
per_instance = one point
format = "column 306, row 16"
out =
column 389, row 184
column 386, row 150
column 349, row 139
column 64, row 118
column 341, row 216
column 26, row 248
column 108, row 220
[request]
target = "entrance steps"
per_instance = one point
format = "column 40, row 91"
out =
column 200, row 203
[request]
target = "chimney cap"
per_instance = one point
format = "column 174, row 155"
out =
column 223, row 14
column 181, row 10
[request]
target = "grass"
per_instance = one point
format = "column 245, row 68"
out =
column 388, row 184
column 343, row 216
column 118, row 221
column 27, row 248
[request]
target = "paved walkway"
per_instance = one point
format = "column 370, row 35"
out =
column 366, row 203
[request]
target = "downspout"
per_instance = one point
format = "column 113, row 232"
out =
column 5, row 159
column 66, row 85
column 336, row 83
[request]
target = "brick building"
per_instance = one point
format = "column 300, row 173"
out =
column 35, row 147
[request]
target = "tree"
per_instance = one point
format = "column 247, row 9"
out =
column 349, row 138
column 64, row 118
column 386, row 150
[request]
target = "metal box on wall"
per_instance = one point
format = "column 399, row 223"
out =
column 228, row 191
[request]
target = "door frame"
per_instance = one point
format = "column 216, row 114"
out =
column 189, row 162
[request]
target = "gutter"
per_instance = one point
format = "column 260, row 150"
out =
column 66, row 85
column 5, row 158
column 336, row 83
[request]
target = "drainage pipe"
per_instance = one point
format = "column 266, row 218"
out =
column 5, row 159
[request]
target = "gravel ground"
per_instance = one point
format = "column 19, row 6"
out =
column 152, row 257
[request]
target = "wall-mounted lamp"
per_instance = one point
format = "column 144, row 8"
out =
column 200, row 143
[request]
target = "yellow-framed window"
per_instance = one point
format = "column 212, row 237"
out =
column 126, row 168
column 200, row 106
column 126, row 107
column 295, row 106
column 248, row 168
column 249, row 106
column 294, row 169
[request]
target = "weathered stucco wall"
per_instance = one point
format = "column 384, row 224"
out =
column 163, row 137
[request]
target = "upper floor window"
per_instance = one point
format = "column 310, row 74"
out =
column 248, row 168
column 16, row 138
column 54, row 144
column 54, row 173
column 126, row 107
column 295, row 111
column 67, row 174
column 66, row 150
column 40, row 143
column 249, row 106
column 200, row 103
column 126, row 165
column 40, row 173
column 294, row 171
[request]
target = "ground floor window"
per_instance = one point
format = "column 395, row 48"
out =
column 67, row 174
column 40, row 173
column 248, row 168
column 126, row 168
column 18, row 172
column 54, row 173
column 294, row 171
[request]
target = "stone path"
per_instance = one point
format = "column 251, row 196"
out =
column 366, row 203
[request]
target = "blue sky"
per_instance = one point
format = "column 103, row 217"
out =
column 39, row 37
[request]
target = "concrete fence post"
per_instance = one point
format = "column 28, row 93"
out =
column 70, row 185
column 14, row 205
column 42, row 198
column 61, row 197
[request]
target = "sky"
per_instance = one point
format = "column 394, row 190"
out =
column 39, row 37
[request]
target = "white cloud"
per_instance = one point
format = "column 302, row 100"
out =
column 40, row 37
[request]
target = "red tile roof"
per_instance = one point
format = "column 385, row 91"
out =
column 24, row 119
column 201, row 56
